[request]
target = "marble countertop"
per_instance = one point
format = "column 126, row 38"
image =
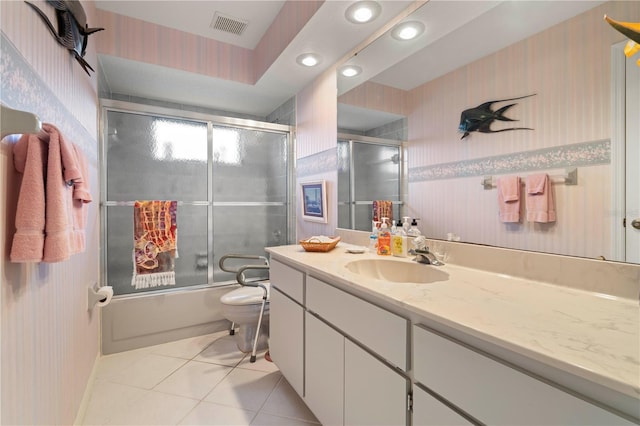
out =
column 593, row 336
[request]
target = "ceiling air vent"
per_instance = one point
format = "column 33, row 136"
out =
column 228, row 24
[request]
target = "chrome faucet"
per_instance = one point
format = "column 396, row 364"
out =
column 426, row 257
column 422, row 253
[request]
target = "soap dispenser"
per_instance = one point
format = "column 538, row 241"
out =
column 399, row 242
column 405, row 225
column 384, row 238
column 414, row 231
column 373, row 238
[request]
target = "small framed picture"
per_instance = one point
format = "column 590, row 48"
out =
column 314, row 201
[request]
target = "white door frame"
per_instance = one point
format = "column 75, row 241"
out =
column 619, row 169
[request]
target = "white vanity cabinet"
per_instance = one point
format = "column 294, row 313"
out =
column 286, row 323
column 428, row 411
column 368, row 391
column 493, row 392
column 324, row 371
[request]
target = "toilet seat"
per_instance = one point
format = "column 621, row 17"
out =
column 246, row 295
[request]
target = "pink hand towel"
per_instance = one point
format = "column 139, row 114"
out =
column 540, row 199
column 29, row 159
column 509, row 198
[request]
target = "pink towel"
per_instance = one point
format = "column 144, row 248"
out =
column 509, row 198
column 81, row 197
column 47, row 226
column 29, row 158
column 540, row 200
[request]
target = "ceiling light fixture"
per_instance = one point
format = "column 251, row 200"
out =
column 363, row 11
column 350, row 70
column 308, row 59
column 407, row 30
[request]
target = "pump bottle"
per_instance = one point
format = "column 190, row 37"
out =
column 384, row 238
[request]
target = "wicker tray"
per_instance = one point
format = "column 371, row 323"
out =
column 314, row 244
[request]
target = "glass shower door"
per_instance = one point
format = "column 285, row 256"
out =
column 230, row 184
column 249, row 193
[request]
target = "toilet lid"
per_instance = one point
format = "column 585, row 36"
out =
column 245, row 295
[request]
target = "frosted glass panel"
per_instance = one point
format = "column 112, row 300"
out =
column 190, row 265
column 249, row 165
column 155, row 158
column 376, row 175
column 377, row 172
column 247, row 230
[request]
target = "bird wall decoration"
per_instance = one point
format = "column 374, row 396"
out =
column 479, row 119
column 73, row 30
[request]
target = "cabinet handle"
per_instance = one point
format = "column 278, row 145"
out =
column 636, row 223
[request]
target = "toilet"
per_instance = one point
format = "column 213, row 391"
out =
column 242, row 307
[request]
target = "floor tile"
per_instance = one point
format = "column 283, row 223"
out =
column 194, row 379
column 187, row 348
column 207, row 413
column 223, row 351
column 113, row 364
column 108, row 398
column 261, row 363
column 154, row 408
column 285, row 402
column 246, row 389
column 147, row 371
column 263, row 419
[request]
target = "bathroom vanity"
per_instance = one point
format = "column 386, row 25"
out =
column 368, row 339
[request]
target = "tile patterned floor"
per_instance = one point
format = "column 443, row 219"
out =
column 203, row 380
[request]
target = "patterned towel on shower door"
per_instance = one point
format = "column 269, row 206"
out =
column 155, row 241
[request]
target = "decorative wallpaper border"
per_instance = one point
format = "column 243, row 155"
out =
column 572, row 155
column 21, row 88
column 320, row 162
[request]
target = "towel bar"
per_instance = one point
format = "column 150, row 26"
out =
column 570, row 177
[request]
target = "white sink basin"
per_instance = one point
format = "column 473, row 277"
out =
column 397, row 272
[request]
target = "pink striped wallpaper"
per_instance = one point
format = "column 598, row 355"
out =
column 568, row 68
column 378, row 97
column 137, row 40
column 49, row 341
column 316, row 133
column 292, row 17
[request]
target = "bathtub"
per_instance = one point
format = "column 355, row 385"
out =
column 140, row 320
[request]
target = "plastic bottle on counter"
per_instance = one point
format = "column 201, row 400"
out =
column 384, row 238
column 414, row 231
column 373, row 238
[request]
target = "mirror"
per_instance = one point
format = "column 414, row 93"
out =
column 474, row 52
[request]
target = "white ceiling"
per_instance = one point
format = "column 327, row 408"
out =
column 458, row 32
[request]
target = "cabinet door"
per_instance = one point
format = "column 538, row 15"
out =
column 495, row 393
column 374, row 394
column 428, row 411
column 286, row 338
column 324, row 367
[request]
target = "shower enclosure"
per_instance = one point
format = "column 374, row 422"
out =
column 230, row 178
column 368, row 169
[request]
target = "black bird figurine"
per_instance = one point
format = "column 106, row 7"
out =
column 73, row 30
column 479, row 119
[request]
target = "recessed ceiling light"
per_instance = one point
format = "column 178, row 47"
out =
column 350, row 70
column 407, row 30
column 363, row 11
column 308, row 59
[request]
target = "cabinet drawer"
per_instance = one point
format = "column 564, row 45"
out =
column 383, row 332
column 428, row 411
column 495, row 393
column 288, row 280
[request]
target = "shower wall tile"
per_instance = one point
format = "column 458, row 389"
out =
column 49, row 341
